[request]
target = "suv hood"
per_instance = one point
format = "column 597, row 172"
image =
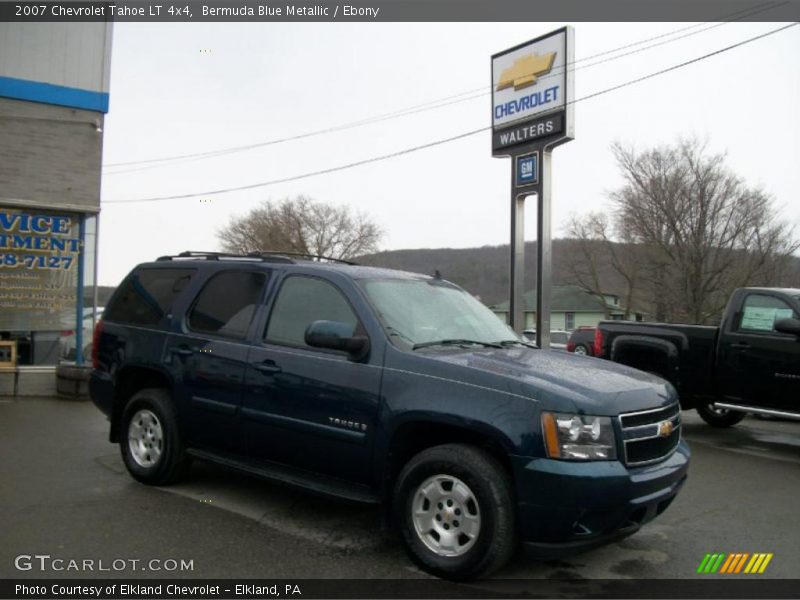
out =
column 593, row 385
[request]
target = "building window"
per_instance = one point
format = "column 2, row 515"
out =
column 569, row 321
column 40, row 291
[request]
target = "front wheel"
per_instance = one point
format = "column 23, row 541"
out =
column 151, row 445
column 719, row 417
column 455, row 507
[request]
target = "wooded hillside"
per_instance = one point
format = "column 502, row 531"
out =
column 484, row 271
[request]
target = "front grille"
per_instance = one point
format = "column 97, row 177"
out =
column 653, row 449
column 645, row 437
column 649, row 417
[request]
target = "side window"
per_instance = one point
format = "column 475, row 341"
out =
column 300, row 302
column 147, row 295
column 760, row 312
column 226, row 304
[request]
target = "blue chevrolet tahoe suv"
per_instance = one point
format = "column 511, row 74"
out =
column 383, row 386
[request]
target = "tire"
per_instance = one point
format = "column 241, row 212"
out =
column 149, row 438
column 582, row 350
column 479, row 503
column 719, row 417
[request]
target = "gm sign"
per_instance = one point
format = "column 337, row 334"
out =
column 527, row 169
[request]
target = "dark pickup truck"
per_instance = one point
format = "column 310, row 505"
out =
column 749, row 364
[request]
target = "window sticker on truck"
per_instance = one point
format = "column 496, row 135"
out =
column 763, row 319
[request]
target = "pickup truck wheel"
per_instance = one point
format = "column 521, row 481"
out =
column 719, row 417
column 455, row 507
column 151, row 446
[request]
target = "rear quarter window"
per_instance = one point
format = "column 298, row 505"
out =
column 147, row 295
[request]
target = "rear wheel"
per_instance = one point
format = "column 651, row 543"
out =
column 455, row 508
column 581, row 349
column 719, row 417
column 151, row 445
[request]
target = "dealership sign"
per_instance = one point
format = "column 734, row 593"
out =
column 532, row 114
column 532, row 91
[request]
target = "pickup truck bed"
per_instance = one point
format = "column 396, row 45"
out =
column 682, row 354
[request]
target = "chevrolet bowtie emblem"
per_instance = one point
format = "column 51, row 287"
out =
column 525, row 70
column 665, row 428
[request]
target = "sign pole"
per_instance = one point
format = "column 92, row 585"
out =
column 544, row 256
column 516, row 308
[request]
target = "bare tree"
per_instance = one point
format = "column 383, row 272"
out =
column 691, row 229
column 596, row 255
column 303, row 225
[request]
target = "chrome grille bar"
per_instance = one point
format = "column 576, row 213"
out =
column 650, row 436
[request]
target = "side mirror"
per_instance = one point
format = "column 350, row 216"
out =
column 335, row 335
column 788, row 326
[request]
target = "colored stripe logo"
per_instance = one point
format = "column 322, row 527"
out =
column 735, row 563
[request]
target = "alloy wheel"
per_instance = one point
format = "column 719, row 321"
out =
column 446, row 515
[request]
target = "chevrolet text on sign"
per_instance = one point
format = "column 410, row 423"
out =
column 529, row 80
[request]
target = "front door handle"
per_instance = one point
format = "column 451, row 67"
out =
column 268, row 366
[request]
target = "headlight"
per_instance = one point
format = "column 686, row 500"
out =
column 578, row 437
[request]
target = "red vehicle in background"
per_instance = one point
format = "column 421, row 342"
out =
column 581, row 341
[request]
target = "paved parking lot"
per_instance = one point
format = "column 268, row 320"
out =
column 64, row 492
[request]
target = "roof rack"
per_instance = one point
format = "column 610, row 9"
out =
column 265, row 256
column 268, row 253
column 218, row 255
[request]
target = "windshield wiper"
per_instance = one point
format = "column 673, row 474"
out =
column 507, row 343
column 393, row 331
column 455, row 342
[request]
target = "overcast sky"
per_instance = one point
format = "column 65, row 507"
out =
column 185, row 88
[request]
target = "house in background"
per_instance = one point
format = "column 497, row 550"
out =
column 572, row 307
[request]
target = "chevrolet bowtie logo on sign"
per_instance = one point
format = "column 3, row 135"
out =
column 525, row 70
column 665, row 428
column 736, row 563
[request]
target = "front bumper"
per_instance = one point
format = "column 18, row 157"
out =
column 565, row 505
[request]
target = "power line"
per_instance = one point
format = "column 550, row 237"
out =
column 439, row 103
column 686, row 63
column 431, row 105
column 449, row 139
column 217, row 153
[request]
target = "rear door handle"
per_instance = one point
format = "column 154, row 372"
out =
column 181, row 351
column 268, row 366
column 740, row 345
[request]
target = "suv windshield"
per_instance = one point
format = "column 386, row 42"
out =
column 421, row 311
